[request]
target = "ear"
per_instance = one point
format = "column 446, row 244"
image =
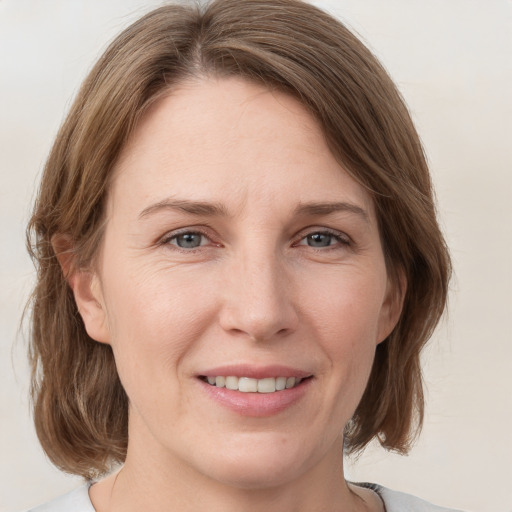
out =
column 86, row 287
column 392, row 306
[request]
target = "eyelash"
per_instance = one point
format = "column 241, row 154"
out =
column 341, row 238
column 173, row 236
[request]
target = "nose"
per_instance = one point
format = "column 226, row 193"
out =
column 258, row 298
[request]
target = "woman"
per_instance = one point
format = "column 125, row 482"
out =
column 239, row 264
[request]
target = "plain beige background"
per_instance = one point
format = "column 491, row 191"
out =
column 452, row 60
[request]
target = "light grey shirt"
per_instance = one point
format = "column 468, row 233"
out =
column 79, row 501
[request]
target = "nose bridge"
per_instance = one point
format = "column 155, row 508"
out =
column 258, row 297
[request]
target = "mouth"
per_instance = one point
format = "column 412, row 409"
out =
column 252, row 385
column 255, row 391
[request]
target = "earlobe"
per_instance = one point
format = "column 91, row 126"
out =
column 86, row 289
column 392, row 306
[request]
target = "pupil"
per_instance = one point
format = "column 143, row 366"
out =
column 189, row 240
column 319, row 240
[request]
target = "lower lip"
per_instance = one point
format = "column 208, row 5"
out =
column 256, row 404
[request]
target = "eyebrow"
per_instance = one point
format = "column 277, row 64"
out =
column 331, row 207
column 208, row 209
column 183, row 205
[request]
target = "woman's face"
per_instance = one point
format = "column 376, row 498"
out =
column 236, row 246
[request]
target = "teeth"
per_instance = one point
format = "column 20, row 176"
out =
column 232, row 383
column 280, row 383
column 266, row 385
column 249, row 385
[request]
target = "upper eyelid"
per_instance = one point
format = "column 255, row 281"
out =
column 182, row 231
column 176, row 235
column 324, row 230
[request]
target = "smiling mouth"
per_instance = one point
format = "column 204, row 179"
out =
column 250, row 385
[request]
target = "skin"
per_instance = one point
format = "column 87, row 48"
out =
column 256, row 290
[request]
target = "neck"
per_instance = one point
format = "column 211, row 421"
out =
column 155, row 480
column 151, row 488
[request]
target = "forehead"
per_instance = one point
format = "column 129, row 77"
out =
column 231, row 141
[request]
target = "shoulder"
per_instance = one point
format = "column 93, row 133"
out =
column 395, row 501
column 75, row 501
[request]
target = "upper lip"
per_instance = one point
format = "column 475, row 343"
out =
column 255, row 372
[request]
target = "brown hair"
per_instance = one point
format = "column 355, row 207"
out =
column 81, row 409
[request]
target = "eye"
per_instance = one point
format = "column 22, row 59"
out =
column 187, row 240
column 320, row 239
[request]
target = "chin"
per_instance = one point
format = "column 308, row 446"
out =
column 251, row 476
column 258, row 462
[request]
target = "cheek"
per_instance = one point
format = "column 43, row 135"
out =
column 155, row 319
column 347, row 305
column 156, row 323
column 345, row 314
